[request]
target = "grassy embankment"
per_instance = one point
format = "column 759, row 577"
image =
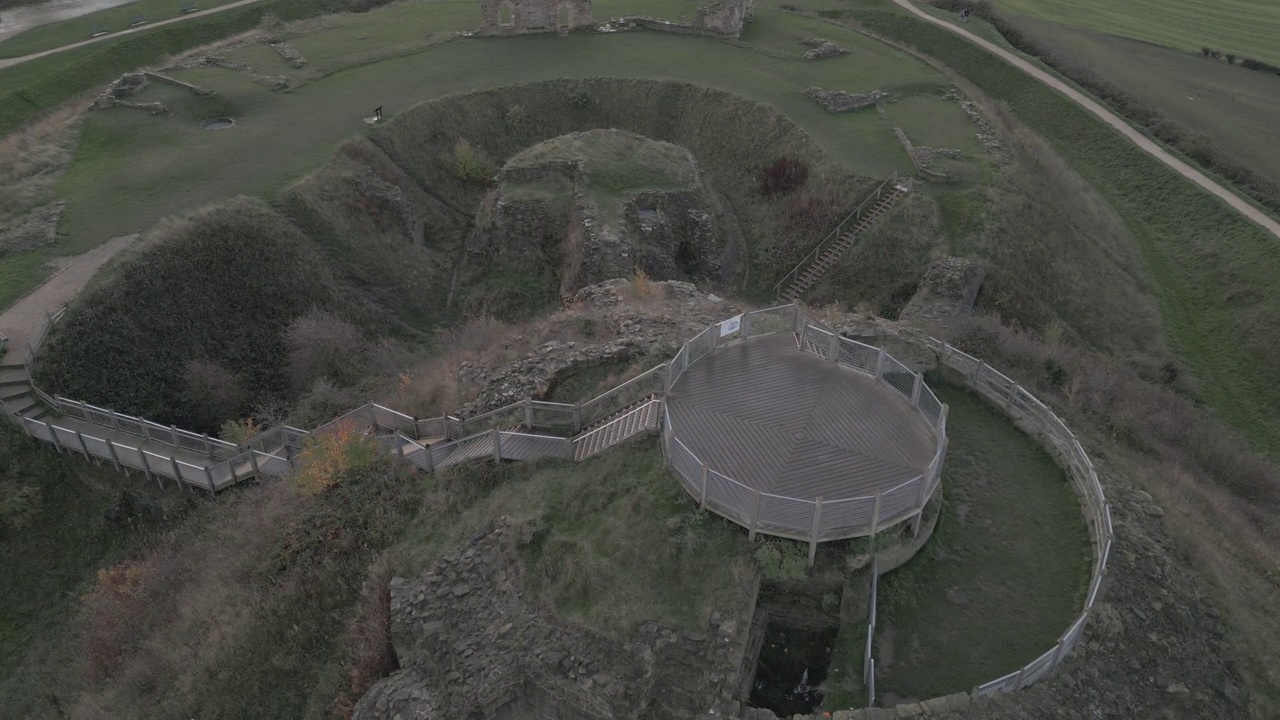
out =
column 1210, row 269
column 1004, row 574
column 66, row 32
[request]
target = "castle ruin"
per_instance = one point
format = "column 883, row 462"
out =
column 515, row 17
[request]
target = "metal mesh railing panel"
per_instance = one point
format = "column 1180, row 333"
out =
column 66, row 438
column 221, row 474
column 552, row 414
column 930, row 406
column 159, row 433
column 1005, row 684
column 431, row 428
column 647, row 384
column 785, row 515
column 699, row 346
column 468, row 448
column 130, row 456
column 131, row 425
column 818, row 341
column 96, row 446
column 1037, row 668
column 841, row 518
column 858, row 356
column 897, row 376
column 733, row 499
column 160, row 464
column 272, row 465
column 504, row 417
column 193, row 475
column 772, row 320
column 686, row 467
column 392, row 419
column 519, row 446
column 900, row 500
column 39, row 430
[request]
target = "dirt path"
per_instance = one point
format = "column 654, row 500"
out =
column 8, row 62
column 1142, row 141
column 20, row 321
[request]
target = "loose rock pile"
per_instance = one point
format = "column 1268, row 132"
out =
column 839, row 101
column 821, row 48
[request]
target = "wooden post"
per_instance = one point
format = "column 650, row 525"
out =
column 111, row 450
column 231, row 465
column 568, row 451
column 804, row 327
column 143, row 424
column 813, row 534
column 84, row 410
column 253, row 462
column 146, row 468
column 745, row 331
column 208, row 447
column 755, row 517
column 528, row 412
column 879, row 363
column 57, row 446
column 835, row 346
column 915, row 390
column 208, row 476
column 400, row 447
column 577, row 418
column 875, row 517
column 497, row 446
column 83, row 447
column 177, row 472
column 702, row 502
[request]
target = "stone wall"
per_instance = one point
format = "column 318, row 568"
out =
column 725, row 17
column 515, row 17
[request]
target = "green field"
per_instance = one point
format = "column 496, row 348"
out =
column 1248, row 28
column 66, row 32
column 1233, row 107
column 1003, row 575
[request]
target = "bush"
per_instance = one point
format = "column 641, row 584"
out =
column 782, row 176
column 341, row 451
column 216, row 287
column 471, row 164
column 213, row 395
column 782, row 559
column 323, row 345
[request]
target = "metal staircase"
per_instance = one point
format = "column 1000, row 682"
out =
column 823, row 257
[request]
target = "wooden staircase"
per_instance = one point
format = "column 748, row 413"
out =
column 827, row 256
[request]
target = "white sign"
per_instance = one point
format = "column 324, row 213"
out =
column 730, row 326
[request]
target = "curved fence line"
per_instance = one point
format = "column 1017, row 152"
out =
column 811, row 521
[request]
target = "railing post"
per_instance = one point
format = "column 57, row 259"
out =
column 755, row 517
column 744, row 332
column 84, row 410
column 879, row 363
column 111, row 450
column 83, row 448
column 702, row 500
column 497, row 446
column 528, row 412
column 568, row 451
column 915, row 390
column 231, row 465
column 146, row 468
column 253, row 463
column 143, row 424
column 400, row 446
column 875, row 518
column 177, row 472
column 813, row 533
column 577, row 418
column 834, row 352
column 208, row 447
column 208, row 476
column 173, row 435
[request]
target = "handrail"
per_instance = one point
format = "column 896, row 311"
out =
column 814, row 254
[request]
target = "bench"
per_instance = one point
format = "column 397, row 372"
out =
column 136, row 20
column 187, row 7
column 98, row 29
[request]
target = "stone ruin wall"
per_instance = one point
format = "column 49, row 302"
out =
column 532, row 16
column 725, row 17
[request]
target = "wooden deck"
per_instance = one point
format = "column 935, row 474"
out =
column 789, row 423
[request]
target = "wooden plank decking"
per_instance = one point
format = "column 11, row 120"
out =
column 789, row 423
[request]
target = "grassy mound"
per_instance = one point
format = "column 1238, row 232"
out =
column 219, row 285
column 611, row 555
column 730, row 137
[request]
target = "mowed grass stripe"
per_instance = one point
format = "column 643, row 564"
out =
column 1237, row 26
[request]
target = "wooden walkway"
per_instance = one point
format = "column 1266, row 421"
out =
column 793, row 424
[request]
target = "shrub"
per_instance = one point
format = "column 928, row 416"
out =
column 782, row 559
column 323, row 345
column 213, row 395
column 332, row 456
column 471, row 164
column 782, row 176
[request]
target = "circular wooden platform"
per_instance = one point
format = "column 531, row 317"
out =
column 793, row 424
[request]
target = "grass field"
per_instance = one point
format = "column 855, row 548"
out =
column 1248, row 28
column 66, row 32
column 1234, row 107
column 1212, row 271
column 1003, row 575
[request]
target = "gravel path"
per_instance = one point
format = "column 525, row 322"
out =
column 1142, row 141
column 21, row 320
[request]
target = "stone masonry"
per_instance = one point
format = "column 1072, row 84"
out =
column 515, row 17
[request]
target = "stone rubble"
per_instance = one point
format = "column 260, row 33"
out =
column 839, row 101
column 822, row 48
